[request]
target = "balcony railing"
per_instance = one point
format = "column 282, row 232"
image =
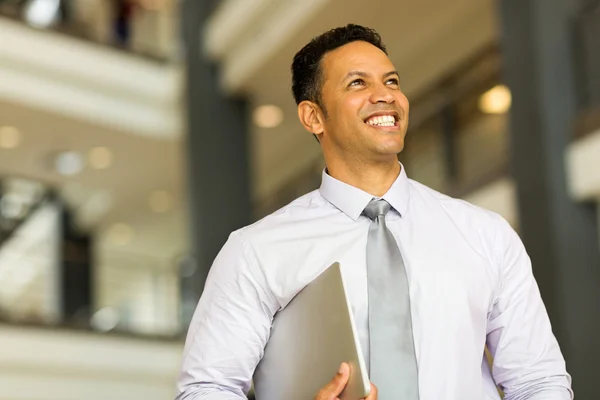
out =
column 144, row 28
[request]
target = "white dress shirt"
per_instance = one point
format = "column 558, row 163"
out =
column 471, row 284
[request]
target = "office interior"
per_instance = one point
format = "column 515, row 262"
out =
column 124, row 123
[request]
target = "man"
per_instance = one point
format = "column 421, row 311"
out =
column 432, row 279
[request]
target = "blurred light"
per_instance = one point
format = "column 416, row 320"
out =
column 497, row 100
column 10, row 137
column 95, row 207
column 160, row 201
column 100, row 157
column 68, row 163
column 42, row 13
column 268, row 116
column 105, row 319
column 121, row 234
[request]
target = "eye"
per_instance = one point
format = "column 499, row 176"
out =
column 393, row 81
column 357, row 82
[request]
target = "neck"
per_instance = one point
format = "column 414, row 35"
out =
column 375, row 178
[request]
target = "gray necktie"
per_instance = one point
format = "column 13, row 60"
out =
column 393, row 364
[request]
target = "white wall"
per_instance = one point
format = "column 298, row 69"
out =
column 583, row 169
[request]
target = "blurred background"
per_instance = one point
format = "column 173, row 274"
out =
column 136, row 134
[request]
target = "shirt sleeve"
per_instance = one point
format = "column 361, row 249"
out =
column 229, row 329
column 527, row 361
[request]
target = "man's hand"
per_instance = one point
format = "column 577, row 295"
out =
column 332, row 390
column 373, row 394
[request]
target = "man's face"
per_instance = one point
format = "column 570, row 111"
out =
column 367, row 113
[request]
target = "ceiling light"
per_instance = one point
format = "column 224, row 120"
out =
column 268, row 116
column 68, row 163
column 42, row 13
column 10, row 137
column 497, row 100
column 100, row 157
column 160, row 201
column 120, row 234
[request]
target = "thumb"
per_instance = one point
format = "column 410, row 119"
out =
column 338, row 383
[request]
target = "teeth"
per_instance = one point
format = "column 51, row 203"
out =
column 384, row 120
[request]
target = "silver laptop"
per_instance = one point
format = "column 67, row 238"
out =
column 309, row 340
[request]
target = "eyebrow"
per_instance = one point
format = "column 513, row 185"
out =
column 391, row 73
column 366, row 75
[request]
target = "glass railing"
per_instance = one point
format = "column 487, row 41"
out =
column 143, row 27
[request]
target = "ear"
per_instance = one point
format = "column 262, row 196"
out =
column 311, row 117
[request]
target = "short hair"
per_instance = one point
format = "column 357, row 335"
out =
column 307, row 76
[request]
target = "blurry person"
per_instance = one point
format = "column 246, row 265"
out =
column 432, row 280
column 123, row 11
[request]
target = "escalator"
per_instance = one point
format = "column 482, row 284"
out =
column 45, row 267
column 19, row 199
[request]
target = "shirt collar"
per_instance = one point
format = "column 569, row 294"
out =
column 352, row 200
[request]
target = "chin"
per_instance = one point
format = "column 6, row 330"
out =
column 391, row 146
column 387, row 154
column 383, row 143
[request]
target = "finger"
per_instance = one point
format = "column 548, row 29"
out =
column 373, row 394
column 337, row 384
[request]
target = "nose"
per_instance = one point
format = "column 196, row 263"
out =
column 382, row 94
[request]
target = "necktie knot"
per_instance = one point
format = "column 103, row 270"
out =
column 376, row 208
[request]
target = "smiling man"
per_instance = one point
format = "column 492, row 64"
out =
column 432, row 279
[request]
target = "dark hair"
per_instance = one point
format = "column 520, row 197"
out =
column 307, row 77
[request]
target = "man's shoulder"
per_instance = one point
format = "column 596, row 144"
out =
column 486, row 232
column 305, row 207
column 459, row 210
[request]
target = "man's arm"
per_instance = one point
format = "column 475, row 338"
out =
column 230, row 327
column 528, row 364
